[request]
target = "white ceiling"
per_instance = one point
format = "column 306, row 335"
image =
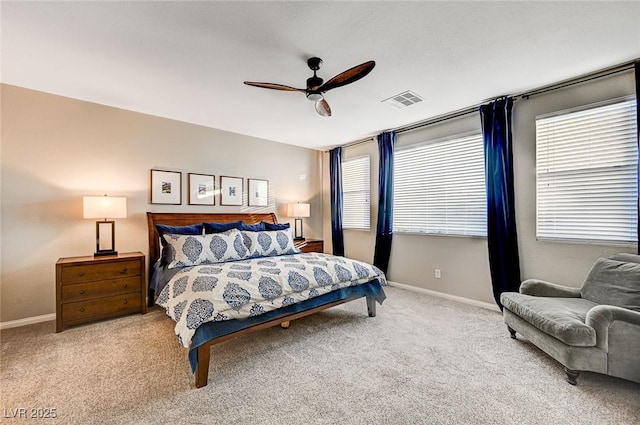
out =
column 187, row 60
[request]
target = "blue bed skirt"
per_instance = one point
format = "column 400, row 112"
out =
column 212, row 330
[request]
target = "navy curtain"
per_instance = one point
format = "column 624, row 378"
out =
column 502, row 237
column 637, row 73
column 335, row 177
column 384, row 233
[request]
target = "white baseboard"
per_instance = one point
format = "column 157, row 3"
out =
column 27, row 321
column 47, row 317
column 463, row 300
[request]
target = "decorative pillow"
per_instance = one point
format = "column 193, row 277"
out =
column 221, row 227
column 253, row 227
column 193, row 250
column 276, row 226
column 163, row 229
column 193, row 229
column 613, row 283
column 269, row 243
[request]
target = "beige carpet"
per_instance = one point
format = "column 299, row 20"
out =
column 423, row 360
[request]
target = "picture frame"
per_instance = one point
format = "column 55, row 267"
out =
column 166, row 187
column 258, row 193
column 202, row 189
column 231, row 190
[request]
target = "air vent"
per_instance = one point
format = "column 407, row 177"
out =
column 403, row 100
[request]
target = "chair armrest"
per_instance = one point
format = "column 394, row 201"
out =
column 601, row 317
column 540, row 288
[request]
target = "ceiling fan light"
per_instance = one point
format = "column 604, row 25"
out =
column 314, row 97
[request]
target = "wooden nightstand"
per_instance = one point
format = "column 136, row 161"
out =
column 94, row 288
column 310, row 245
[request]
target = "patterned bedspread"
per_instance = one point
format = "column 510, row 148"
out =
column 240, row 289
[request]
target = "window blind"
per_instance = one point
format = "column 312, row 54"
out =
column 439, row 187
column 356, row 183
column 586, row 161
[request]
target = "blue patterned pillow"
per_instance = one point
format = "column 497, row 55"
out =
column 193, row 250
column 269, row 243
column 276, row 226
column 221, row 227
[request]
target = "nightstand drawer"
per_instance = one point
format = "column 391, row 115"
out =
column 98, row 289
column 312, row 245
column 82, row 311
column 93, row 272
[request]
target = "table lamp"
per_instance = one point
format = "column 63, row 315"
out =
column 105, row 207
column 298, row 210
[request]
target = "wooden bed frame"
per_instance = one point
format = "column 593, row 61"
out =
column 183, row 219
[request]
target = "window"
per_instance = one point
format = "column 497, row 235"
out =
column 586, row 162
column 356, row 182
column 439, row 187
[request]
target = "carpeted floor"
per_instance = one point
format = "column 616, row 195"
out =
column 422, row 360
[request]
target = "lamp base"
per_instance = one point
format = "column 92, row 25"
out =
column 297, row 234
column 105, row 253
column 106, row 229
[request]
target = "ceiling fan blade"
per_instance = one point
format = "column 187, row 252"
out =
column 322, row 108
column 273, row 86
column 349, row 76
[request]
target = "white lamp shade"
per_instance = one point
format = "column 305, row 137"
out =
column 104, row 207
column 298, row 210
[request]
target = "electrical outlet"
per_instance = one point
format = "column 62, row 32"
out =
column 438, row 274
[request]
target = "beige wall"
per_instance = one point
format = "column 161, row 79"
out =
column 55, row 150
column 464, row 261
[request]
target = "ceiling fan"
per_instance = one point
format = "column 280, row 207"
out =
column 316, row 89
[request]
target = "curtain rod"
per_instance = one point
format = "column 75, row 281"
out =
column 354, row 143
column 360, row 141
column 616, row 69
column 440, row 118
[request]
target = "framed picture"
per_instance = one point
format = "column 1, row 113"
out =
column 258, row 193
column 166, row 187
column 201, row 189
column 231, row 190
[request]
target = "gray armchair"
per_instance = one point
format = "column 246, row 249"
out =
column 594, row 328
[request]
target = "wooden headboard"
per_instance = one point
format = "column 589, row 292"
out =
column 184, row 219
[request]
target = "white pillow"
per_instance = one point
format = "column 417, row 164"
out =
column 269, row 243
column 193, row 250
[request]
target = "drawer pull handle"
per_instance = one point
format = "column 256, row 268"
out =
column 125, row 285
column 124, row 271
column 82, row 292
column 81, row 274
column 125, row 302
column 82, row 310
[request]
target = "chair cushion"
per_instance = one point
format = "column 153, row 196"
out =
column 625, row 257
column 562, row 318
column 614, row 283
